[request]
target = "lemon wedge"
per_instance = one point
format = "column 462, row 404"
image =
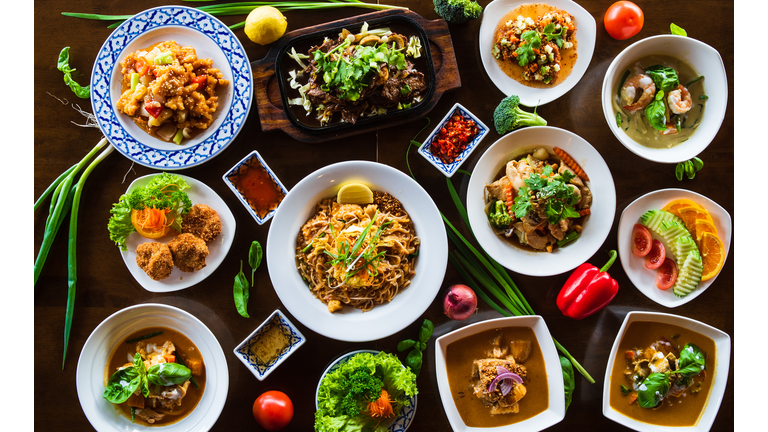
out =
column 355, row 193
column 265, row 25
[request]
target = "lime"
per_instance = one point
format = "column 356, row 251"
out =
column 265, row 25
column 355, row 193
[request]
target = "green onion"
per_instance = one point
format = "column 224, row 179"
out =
column 179, row 136
column 573, row 235
column 134, row 81
column 144, row 337
column 693, row 81
column 703, row 97
column 133, row 415
column 53, row 186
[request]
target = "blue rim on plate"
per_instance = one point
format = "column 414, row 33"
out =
column 257, row 366
column 403, row 419
column 450, row 169
column 109, row 57
column 227, row 177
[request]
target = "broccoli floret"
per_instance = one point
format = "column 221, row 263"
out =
column 499, row 216
column 457, row 11
column 508, row 116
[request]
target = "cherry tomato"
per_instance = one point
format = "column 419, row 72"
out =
column 666, row 274
column 641, row 240
column 623, row 20
column 273, row 410
column 656, row 256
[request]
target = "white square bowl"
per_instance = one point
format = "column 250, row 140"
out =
column 720, row 375
column 258, row 368
column 450, row 169
column 236, row 170
column 556, row 409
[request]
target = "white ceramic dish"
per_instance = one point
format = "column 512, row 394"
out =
column 199, row 193
column 350, row 324
column 554, row 414
column 705, row 60
column 641, row 277
column 188, row 27
column 258, row 367
column 228, row 177
column 95, row 354
column 719, row 373
column 449, row 169
column 586, row 33
column 402, row 422
column 596, row 228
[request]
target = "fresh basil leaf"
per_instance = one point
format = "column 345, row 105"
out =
column 677, row 30
column 404, row 345
column 692, row 361
column 652, row 390
column 121, row 385
column 413, row 361
column 664, row 77
column 679, row 171
column 654, row 112
column 569, row 380
column 426, row 330
column 166, row 374
column 254, row 258
column 62, row 64
column 138, row 365
column 240, row 291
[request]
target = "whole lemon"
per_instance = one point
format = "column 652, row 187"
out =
column 265, row 25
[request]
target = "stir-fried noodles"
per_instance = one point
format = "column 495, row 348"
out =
column 356, row 255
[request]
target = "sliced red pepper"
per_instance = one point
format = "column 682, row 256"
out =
column 587, row 290
column 200, row 80
column 154, row 108
column 141, row 66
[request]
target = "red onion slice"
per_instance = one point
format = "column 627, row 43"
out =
column 504, row 380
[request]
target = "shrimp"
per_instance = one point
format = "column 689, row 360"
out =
column 679, row 100
column 630, row 96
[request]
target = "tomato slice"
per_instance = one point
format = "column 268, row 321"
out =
column 656, row 256
column 623, row 20
column 641, row 240
column 666, row 274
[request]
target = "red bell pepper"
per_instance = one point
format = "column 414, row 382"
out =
column 587, row 290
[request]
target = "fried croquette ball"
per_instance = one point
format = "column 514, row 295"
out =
column 155, row 259
column 202, row 221
column 188, row 252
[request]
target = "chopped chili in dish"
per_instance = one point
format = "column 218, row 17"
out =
column 453, row 138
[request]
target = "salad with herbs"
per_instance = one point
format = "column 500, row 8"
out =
column 363, row 393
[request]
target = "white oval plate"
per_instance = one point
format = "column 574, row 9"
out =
column 586, row 33
column 402, row 422
column 555, row 412
column 350, row 324
column 719, row 372
column 641, row 277
column 596, row 228
column 95, row 354
column 211, row 39
column 199, row 193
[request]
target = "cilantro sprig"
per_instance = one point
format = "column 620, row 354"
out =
column 554, row 191
column 553, row 36
column 525, row 52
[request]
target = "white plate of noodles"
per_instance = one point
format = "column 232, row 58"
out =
column 350, row 323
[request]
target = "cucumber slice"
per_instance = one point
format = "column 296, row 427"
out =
column 671, row 230
column 689, row 276
column 652, row 219
column 682, row 247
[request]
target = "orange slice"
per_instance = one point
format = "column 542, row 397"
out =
column 702, row 226
column 675, row 206
column 712, row 254
column 689, row 215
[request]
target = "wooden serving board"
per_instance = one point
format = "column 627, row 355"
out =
column 272, row 114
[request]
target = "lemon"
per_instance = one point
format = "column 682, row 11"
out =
column 354, row 193
column 265, row 25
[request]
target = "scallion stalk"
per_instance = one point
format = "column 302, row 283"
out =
column 53, row 186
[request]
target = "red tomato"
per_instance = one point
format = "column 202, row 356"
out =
column 200, row 80
column 666, row 274
column 641, row 240
column 656, row 257
column 623, row 20
column 273, row 410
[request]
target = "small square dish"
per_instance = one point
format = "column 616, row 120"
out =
column 688, row 398
column 269, row 345
column 256, row 186
column 449, row 168
column 535, row 368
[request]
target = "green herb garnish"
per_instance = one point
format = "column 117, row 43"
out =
column 241, row 294
column 530, row 42
column 414, row 358
column 63, row 65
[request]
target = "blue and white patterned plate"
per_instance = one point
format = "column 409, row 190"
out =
column 406, row 414
column 450, row 169
column 188, row 27
column 258, row 367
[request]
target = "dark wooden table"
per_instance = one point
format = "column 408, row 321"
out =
column 105, row 285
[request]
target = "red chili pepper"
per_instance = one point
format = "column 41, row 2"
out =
column 154, row 108
column 200, row 80
column 141, row 66
column 587, row 290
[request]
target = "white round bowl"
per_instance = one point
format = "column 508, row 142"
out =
column 112, row 331
column 705, row 60
column 586, row 33
column 596, row 228
column 350, row 324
